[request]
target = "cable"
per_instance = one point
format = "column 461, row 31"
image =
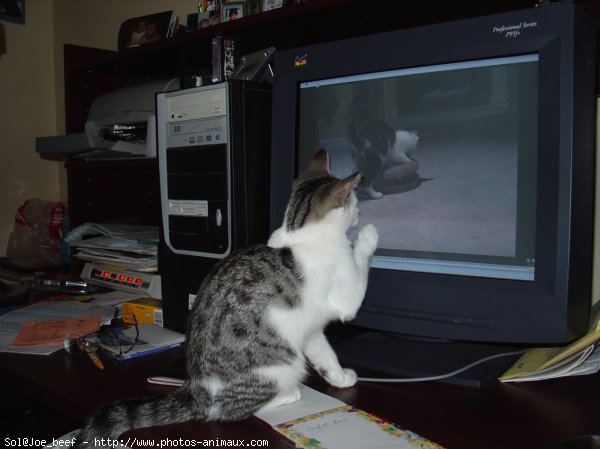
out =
column 441, row 376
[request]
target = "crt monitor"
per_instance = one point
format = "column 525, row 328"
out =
column 476, row 143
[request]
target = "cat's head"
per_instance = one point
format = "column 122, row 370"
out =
column 316, row 193
column 406, row 140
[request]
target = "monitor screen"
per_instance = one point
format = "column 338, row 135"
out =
column 448, row 156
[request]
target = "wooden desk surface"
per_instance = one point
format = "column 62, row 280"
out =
column 504, row 416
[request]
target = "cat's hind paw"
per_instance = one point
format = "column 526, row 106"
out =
column 374, row 194
column 368, row 193
column 343, row 379
column 283, row 399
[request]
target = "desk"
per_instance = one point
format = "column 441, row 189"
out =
column 504, row 416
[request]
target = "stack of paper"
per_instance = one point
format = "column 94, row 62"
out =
column 578, row 358
column 41, row 320
column 126, row 246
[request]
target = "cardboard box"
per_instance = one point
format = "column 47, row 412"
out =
column 146, row 310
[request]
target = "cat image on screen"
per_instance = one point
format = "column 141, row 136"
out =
column 260, row 314
column 375, row 148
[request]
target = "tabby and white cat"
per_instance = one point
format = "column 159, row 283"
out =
column 261, row 312
column 376, row 147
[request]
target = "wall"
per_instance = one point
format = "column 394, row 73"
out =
column 596, row 267
column 32, row 87
column 27, row 108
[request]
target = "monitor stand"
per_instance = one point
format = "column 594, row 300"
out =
column 407, row 357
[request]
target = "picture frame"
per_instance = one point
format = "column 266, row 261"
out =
column 13, row 11
column 253, row 6
column 232, row 11
column 146, row 29
column 268, row 5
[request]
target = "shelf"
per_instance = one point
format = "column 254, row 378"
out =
column 294, row 25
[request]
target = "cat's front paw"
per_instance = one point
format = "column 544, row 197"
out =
column 342, row 379
column 367, row 240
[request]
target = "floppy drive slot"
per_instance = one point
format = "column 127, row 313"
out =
column 203, row 233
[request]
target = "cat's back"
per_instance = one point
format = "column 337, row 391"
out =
column 228, row 329
column 256, row 276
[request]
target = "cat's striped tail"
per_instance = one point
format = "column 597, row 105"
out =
column 111, row 420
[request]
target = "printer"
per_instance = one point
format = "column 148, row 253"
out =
column 120, row 124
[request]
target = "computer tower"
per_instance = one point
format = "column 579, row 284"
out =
column 214, row 162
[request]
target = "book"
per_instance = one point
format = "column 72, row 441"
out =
column 217, row 59
column 152, row 338
column 228, row 57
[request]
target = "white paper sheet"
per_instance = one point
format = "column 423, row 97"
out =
column 312, row 401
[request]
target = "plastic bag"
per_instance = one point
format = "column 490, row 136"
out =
column 37, row 235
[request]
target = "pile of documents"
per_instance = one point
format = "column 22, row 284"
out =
column 126, row 246
column 580, row 357
column 41, row 327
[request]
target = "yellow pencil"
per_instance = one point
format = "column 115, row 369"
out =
column 95, row 359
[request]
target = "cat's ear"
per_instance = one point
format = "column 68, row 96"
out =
column 319, row 162
column 342, row 188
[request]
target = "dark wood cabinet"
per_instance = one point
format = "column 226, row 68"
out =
column 124, row 191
